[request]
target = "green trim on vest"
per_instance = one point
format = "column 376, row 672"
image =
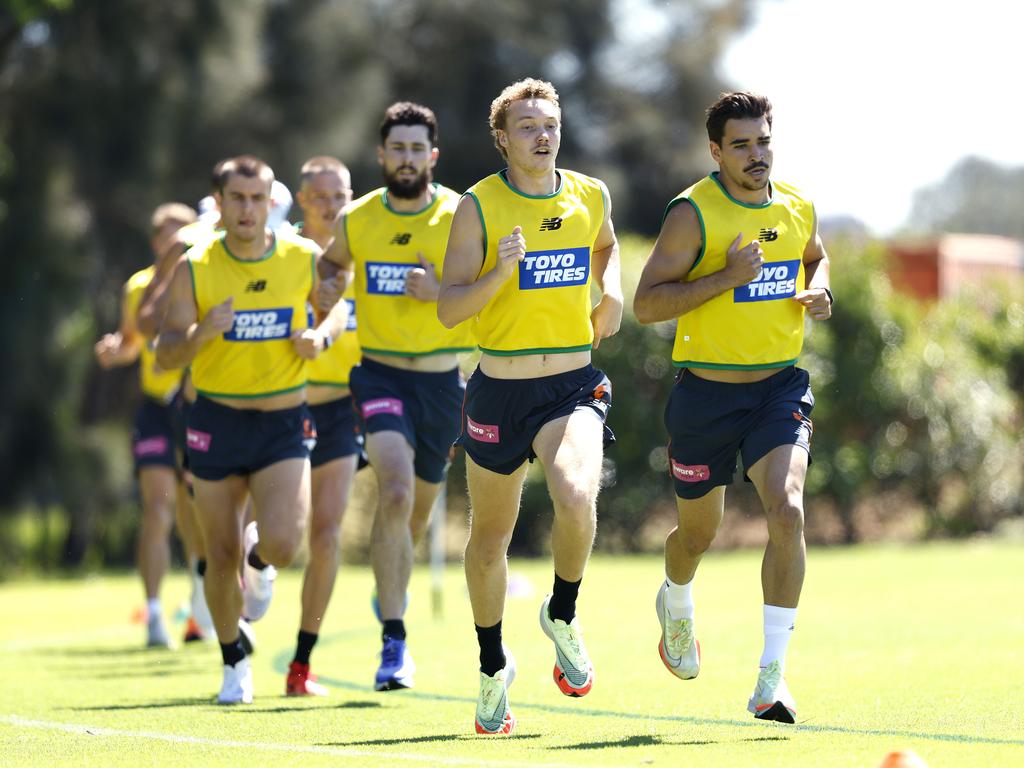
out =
column 264, row 257
column 483, row 224
column 714, row 177
column 442, row 351
column 228, row 395
column 433, row 201
column 503, row 175
column 733, row 366
column 539, row 351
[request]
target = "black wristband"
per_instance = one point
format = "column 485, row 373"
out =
column 831, row 299
column 327, row 340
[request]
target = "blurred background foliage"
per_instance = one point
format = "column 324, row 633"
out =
column 110, row 107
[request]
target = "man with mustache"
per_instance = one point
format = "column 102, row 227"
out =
column 407, row 390
column 738, row 264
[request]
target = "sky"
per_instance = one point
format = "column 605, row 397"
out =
column 873, row 100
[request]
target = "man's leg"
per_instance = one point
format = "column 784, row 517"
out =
column 779, row 478
column 494, row 504
column 156, row 483
column 200, row 625
column 424, row 496
column 331, row 484
column 220, row 504
column 281, row 500
column 684, row 547
column 570, row 449
column 392, row 457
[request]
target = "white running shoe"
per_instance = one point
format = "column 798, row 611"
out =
column 573, row 672
column 156, row 633
column 678, row 648
column 257, row 585
column 493, row 715
column 772, row 699
column 237, row 685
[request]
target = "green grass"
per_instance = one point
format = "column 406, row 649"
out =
column 896, row 648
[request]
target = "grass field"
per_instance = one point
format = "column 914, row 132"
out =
column 896, row 648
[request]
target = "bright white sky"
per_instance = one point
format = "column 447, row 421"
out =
column 873, row 99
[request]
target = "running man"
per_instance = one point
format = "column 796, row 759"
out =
column 237, row 313
column 153, row 437
column 526, row 245
column 408, row 389
column 738, row 264
column 325, row 188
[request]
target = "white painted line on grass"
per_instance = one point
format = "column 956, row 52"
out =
column 92, row 730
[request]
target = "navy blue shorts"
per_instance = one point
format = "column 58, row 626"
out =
column 423, row 406
column 709, row 422
column 153, row 436
column 226, row 441
column 337, row 435
column 503, row 416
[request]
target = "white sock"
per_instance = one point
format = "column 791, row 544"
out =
column 679, row 599
column 778, row 628
column 153, row 609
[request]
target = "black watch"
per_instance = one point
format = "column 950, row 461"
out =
column 328, row 340
column 831, row 299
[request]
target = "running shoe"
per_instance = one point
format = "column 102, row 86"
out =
column 237, row 685
column 772, row 699
column 573, row 673
column 678, row 648
column 493, row 714
column 257, row 585
column 396, row 666
column 302, row 682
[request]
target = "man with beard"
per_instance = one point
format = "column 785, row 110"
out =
column 740, row 312
column 408, row 388
column 237, row 315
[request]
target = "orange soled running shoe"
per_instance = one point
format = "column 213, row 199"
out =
column 573, row 672
column 302, row 682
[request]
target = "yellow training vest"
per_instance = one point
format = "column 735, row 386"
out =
column 256, row 357
column 155, row 381
column 332, row 366
column 546, row 307
column 384, row 244
column 757, row 325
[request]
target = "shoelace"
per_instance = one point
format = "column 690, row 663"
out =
column 391, row 654
column 490, row 696
column 680, row 636
column 570, row 641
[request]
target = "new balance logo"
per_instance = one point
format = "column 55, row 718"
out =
column 766, row 235
column 547, row 225
column 402, row 238
column 256, row 286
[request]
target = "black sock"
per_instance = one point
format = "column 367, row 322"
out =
column 563, row 599
column 492, row 655
column 393, row 628
column 304, row 646
column 232, row 653
column 200, row 568
column 254, row 560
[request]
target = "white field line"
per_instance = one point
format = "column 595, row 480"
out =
column 20, row 722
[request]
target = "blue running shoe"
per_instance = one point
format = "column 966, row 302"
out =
column 396, row 666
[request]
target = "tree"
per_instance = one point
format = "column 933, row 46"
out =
column 976, row 196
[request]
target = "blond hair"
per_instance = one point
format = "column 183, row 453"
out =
column 172, row 212
column 530, row 88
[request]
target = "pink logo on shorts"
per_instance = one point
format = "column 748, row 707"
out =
column 382, row 405
column 198, row 441
column 690, row 474
column 151, row 446
column 484, row 433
